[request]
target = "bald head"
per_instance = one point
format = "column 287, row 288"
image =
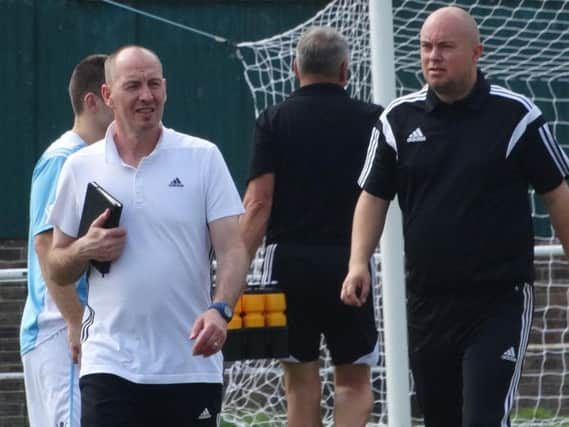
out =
column 126, row 54
column 458, row 19
column 450, row 50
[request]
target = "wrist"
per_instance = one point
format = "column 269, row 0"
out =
column 224, row 310
column 81, row 251
column 358, row 264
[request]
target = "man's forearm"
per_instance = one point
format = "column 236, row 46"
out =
column 67, row 301
column 65, row 297
column 66, row 265
column 369, row 219
column 232, row 268
column 253, row 224
column 258, row 202
column 557, row 204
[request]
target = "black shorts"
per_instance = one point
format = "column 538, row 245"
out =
column 311, row 277
column 111, row 401
column 467, row 354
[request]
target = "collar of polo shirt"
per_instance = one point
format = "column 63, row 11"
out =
column 473, row 101
column 320, row 89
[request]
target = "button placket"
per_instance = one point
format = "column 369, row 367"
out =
column 139, row 186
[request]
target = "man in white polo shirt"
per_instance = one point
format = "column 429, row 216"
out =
column 152, row 334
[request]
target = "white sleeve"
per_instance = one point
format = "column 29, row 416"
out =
column 222, row 198
column 65, row 212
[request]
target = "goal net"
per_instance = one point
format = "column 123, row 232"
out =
column 527, row 50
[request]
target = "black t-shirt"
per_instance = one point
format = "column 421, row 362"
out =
column 315, row 143
column 461, row 173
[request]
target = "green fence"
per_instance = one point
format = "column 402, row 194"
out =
column 207, row 95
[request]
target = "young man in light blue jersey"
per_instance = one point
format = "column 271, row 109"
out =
column 51, row 322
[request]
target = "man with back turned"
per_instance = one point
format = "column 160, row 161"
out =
column 301, row 192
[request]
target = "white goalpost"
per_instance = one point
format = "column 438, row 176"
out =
column 527, row 50
column 392, row 259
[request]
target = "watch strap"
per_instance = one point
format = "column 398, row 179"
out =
column 225, row 310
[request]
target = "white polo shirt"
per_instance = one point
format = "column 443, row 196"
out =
column 140, row 314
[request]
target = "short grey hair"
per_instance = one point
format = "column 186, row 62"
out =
column 321, row 50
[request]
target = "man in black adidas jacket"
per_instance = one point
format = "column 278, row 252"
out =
column 460, row 154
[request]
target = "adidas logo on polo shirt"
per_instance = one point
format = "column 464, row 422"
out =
column 416, row 136
column 176, row 183
column 205, row 415
column 509, row 355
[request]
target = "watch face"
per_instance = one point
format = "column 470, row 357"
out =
column 223, row 309
column 227, row 311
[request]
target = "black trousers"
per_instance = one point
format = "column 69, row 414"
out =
column 467, row 353
column 111, row 401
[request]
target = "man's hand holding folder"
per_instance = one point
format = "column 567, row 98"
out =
column 104, row 239
column 104, row 244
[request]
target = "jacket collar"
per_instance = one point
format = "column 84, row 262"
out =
column 474, row 100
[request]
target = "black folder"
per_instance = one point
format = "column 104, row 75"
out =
column 97, row 199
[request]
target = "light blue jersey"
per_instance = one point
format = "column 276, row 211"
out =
column 41, row 318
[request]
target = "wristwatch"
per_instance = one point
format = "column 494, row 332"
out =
column 225, row 310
